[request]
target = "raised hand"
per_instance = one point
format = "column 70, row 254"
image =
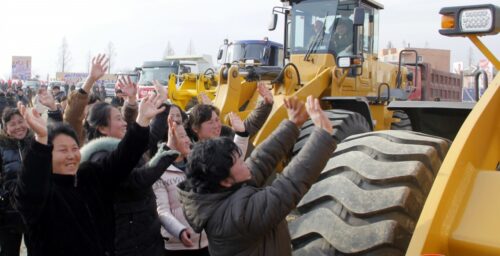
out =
column 265, row 93
column 172, row 136
column 149, row 108
column 317, row 115
column 99, row 67
column 236, row 122
column 128, row 88
column 296, row 111
column 204, row 98
column 35, row 122
column 97, row 70
column 161, row 90
column 47, row 99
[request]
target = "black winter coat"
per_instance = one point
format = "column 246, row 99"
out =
column 137, row 225
column 11, row 151
column 73, row 214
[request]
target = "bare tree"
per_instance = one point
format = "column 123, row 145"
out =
column 190, row 50
column 169, row 51
column 111, row 54
column 64, row 55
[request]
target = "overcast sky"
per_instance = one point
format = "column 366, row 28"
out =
column 140, row 30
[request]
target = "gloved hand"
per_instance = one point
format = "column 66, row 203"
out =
column 164, row 155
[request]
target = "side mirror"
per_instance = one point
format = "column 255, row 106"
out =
column 354, row 62
column 219, row 55
column 358, row 23
column 359, row 16
column 274, row 21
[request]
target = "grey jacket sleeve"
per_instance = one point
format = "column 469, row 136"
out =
column 264, row 159
column 257, row 118
column 266, row 208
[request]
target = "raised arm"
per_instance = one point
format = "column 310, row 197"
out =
column 79, row 99
column 119, row 163
column 259, row 115
column 264, row 159
column 129, row 89
column 33, row 185
column 158, row 127
column 241, row 135
column 266, row 208
column 145, row 176
column 54, row 114
column 75, row 112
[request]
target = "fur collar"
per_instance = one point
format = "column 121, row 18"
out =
column 106, row 144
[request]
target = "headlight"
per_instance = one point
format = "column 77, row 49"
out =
column 479, row 20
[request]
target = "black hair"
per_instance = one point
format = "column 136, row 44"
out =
column 56, row 87
column 7, row 114
column 198, row 115
column 99, row 116
column 209, row 163
column 61, row 128
column 184, row 116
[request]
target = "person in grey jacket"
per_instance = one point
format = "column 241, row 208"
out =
column 226, row 197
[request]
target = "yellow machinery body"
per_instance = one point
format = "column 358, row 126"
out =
column 461, row 214
column 319, row 77
column 190, row 88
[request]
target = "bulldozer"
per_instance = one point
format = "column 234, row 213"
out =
column 369, row 198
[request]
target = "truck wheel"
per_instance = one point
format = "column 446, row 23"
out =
column 404, row 124
column 369, row 196
column 345, row 124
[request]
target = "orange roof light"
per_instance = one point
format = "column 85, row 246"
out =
column 447, row 21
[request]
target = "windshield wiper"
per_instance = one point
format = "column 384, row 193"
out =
column 318, row 40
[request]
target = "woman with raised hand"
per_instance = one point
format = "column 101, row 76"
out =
column 14, row 138
column 67, row 205
column 204, row 120
column 180, row 239
column 136, row 221
column 228, row 197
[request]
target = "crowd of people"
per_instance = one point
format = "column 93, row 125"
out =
column 86, row 177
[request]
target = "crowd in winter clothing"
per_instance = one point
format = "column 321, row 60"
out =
column 146, row 178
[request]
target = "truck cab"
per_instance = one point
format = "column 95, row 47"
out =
column 265, row 52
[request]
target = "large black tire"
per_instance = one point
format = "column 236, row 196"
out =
column 404, row 124
column 369, row 196
column 345, row 123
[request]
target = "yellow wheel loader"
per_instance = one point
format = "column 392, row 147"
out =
column 370, row 195
column 460, row 216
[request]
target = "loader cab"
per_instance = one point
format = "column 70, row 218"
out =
column 329, row 27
